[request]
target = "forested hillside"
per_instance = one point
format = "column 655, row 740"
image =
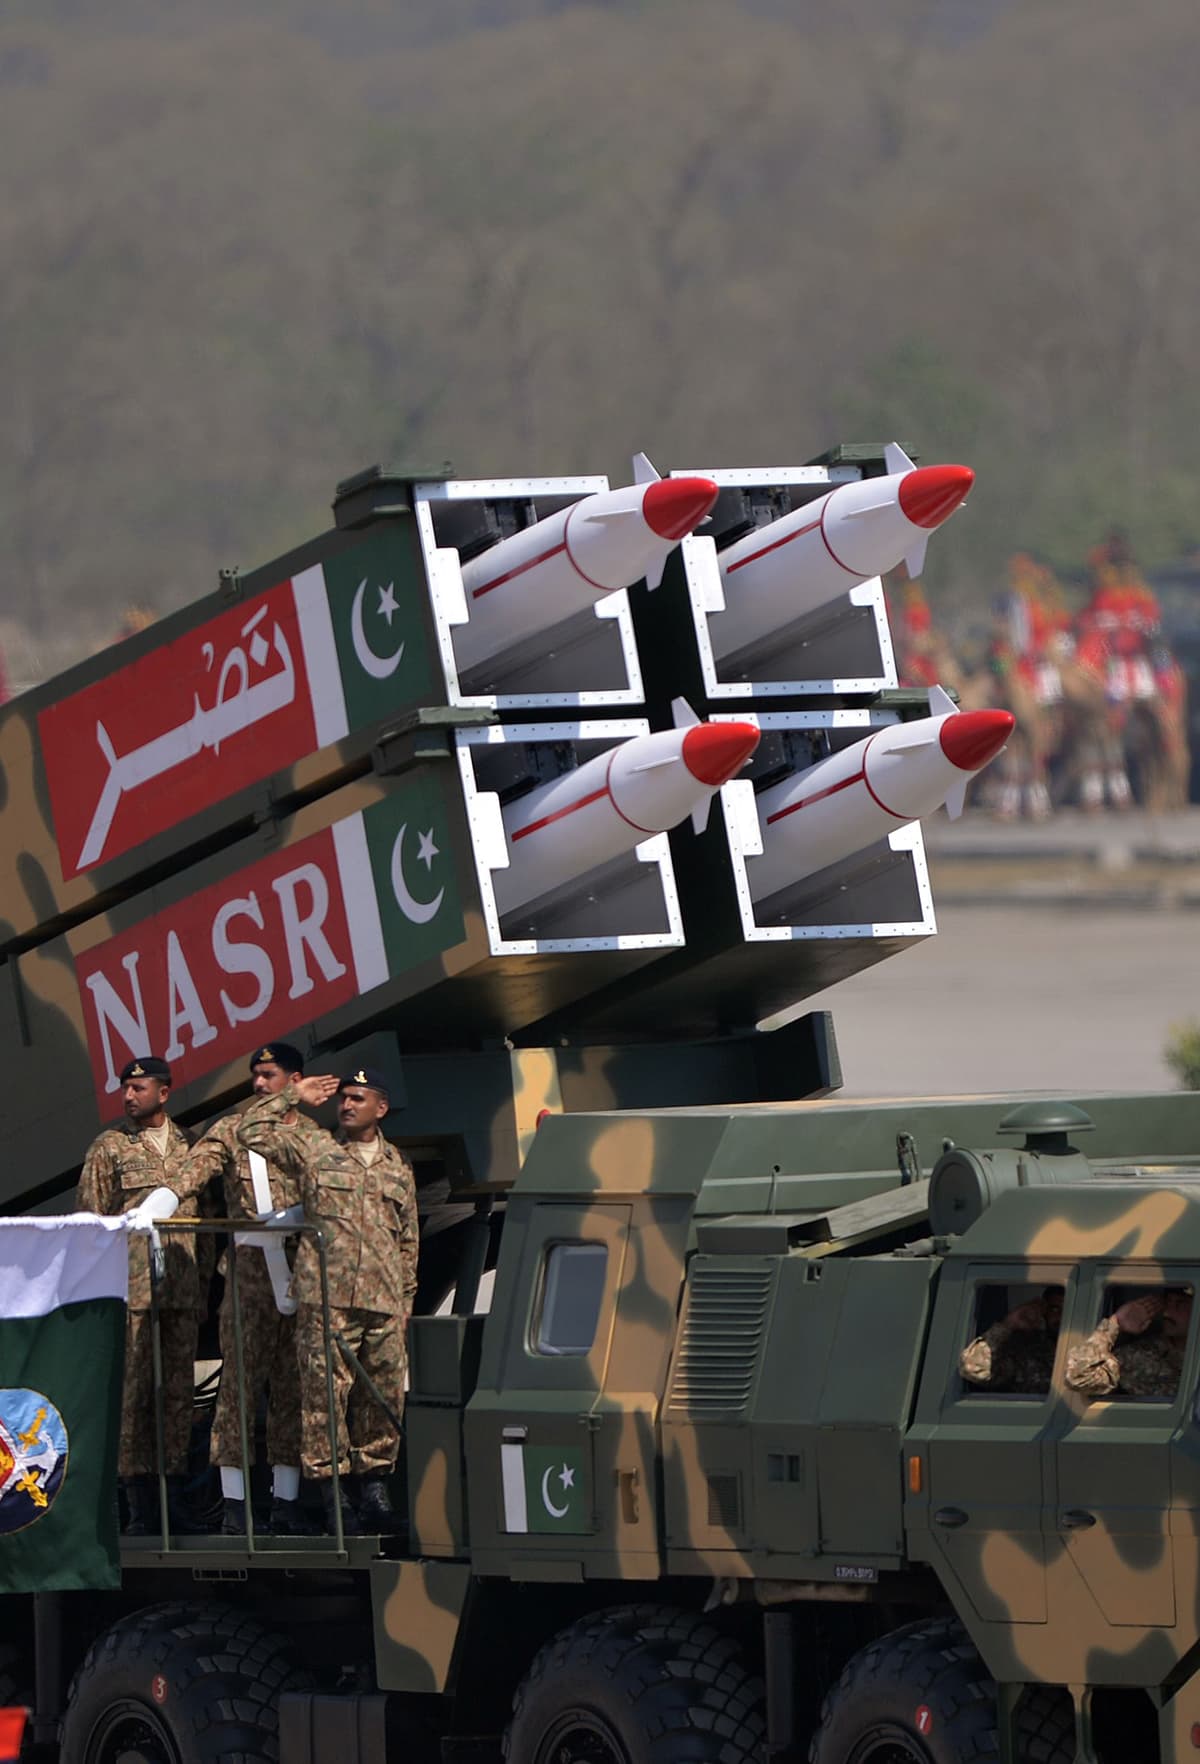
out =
column 249, row 249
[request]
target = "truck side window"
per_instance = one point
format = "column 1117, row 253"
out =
column 1014, row 1340
column 1137, row 1346
column 572, row 1292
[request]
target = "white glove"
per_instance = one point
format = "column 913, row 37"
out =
column 161, row 1203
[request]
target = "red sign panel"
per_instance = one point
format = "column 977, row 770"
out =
column 262, row 952
column 177, row 730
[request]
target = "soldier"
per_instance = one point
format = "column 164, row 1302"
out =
column 1150, row 1363
column 131, row 1168
column 1017, row 1354
column 360, row 1190
column 254, row 1189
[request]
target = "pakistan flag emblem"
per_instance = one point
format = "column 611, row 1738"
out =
column 377, row 608
column 379, row 667
column 412, row 866
column 546, row 1489
column 418, row 912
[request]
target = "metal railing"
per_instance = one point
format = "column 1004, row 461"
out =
column 332, row 1338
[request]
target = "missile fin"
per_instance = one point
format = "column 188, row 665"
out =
column 940, row 702
column 656, row 765
column 907, row 742
column 895, row 459
column 654, row 574
column 957, row 797
column 914, row 559
column 643, row 471
column 700, row 815
column 682, row 714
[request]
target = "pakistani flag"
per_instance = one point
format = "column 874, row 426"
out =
column 363, row 631
column 546, row 1489
column 62, row 1345
column 397, row 868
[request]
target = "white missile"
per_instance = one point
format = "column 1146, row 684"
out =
column 848, row 801
column 805, row 559
column 566, row 563
column 643, row 786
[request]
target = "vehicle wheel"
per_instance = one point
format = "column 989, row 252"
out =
column 922, row 1695
column 180, row 1684
column 641, row 1685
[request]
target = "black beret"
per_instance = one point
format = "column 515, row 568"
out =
column 369, row 1076
column 147, row 1067
column 279, row 1053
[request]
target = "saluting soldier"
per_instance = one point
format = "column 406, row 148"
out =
column 1138, row 1351
column 360, row 1190
column 1017, row 1354
column 127, row 1167
column 254, row 1188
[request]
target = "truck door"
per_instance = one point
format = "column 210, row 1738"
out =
column 560, row 1469
column 1112, row 1495
column 977, row 1515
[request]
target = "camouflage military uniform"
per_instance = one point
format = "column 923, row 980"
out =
column 268, row 1337
column 368, row 1217
column 122, row 1168
column 1139, row 1365
column 1005, row 1358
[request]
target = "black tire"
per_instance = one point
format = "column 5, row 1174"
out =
column 180, row 1684
column 922, row 1695
column 640, row 1685
column 1046, row 1726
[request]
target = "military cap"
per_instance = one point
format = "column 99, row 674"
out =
column 147, row 1067
column 278, row 1053
column 368, row 1076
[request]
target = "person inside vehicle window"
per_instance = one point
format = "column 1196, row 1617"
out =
column 1016, row 1354
column 1138, row 1348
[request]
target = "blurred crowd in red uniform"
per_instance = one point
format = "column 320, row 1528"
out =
column 1100, row 700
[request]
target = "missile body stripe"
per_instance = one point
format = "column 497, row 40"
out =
column 636, row 825
column 774, row 546
column 842, row 784
column 548, row 820
column 583, row 802
column 818, row 796
column 833, row 554
column 600, row 587
column 520, row 569
column 532, row 563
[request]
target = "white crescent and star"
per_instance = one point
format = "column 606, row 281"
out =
column 418, row 911
column 380, row 667
column 567, row 1477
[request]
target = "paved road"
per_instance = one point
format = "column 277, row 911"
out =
column 1109, row 840
column 1007, row 999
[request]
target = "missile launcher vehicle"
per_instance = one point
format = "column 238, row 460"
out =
column 695, row 1462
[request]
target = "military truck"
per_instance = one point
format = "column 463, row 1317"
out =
column 700, row 1478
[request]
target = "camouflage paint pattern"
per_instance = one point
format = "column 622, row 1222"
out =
column 418, row 1607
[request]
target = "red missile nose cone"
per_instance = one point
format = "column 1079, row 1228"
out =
column 930, row 494
column 674, row 506
column 972, row 738
column 713, row 752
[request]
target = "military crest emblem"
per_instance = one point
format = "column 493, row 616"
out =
column 33, row 1457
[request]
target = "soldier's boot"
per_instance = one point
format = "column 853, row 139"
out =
column 233, row 1518
column 350, row 1525
column 183, row 1521
column 141, row 1498
column 376, row 1513
column 289, row 1519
